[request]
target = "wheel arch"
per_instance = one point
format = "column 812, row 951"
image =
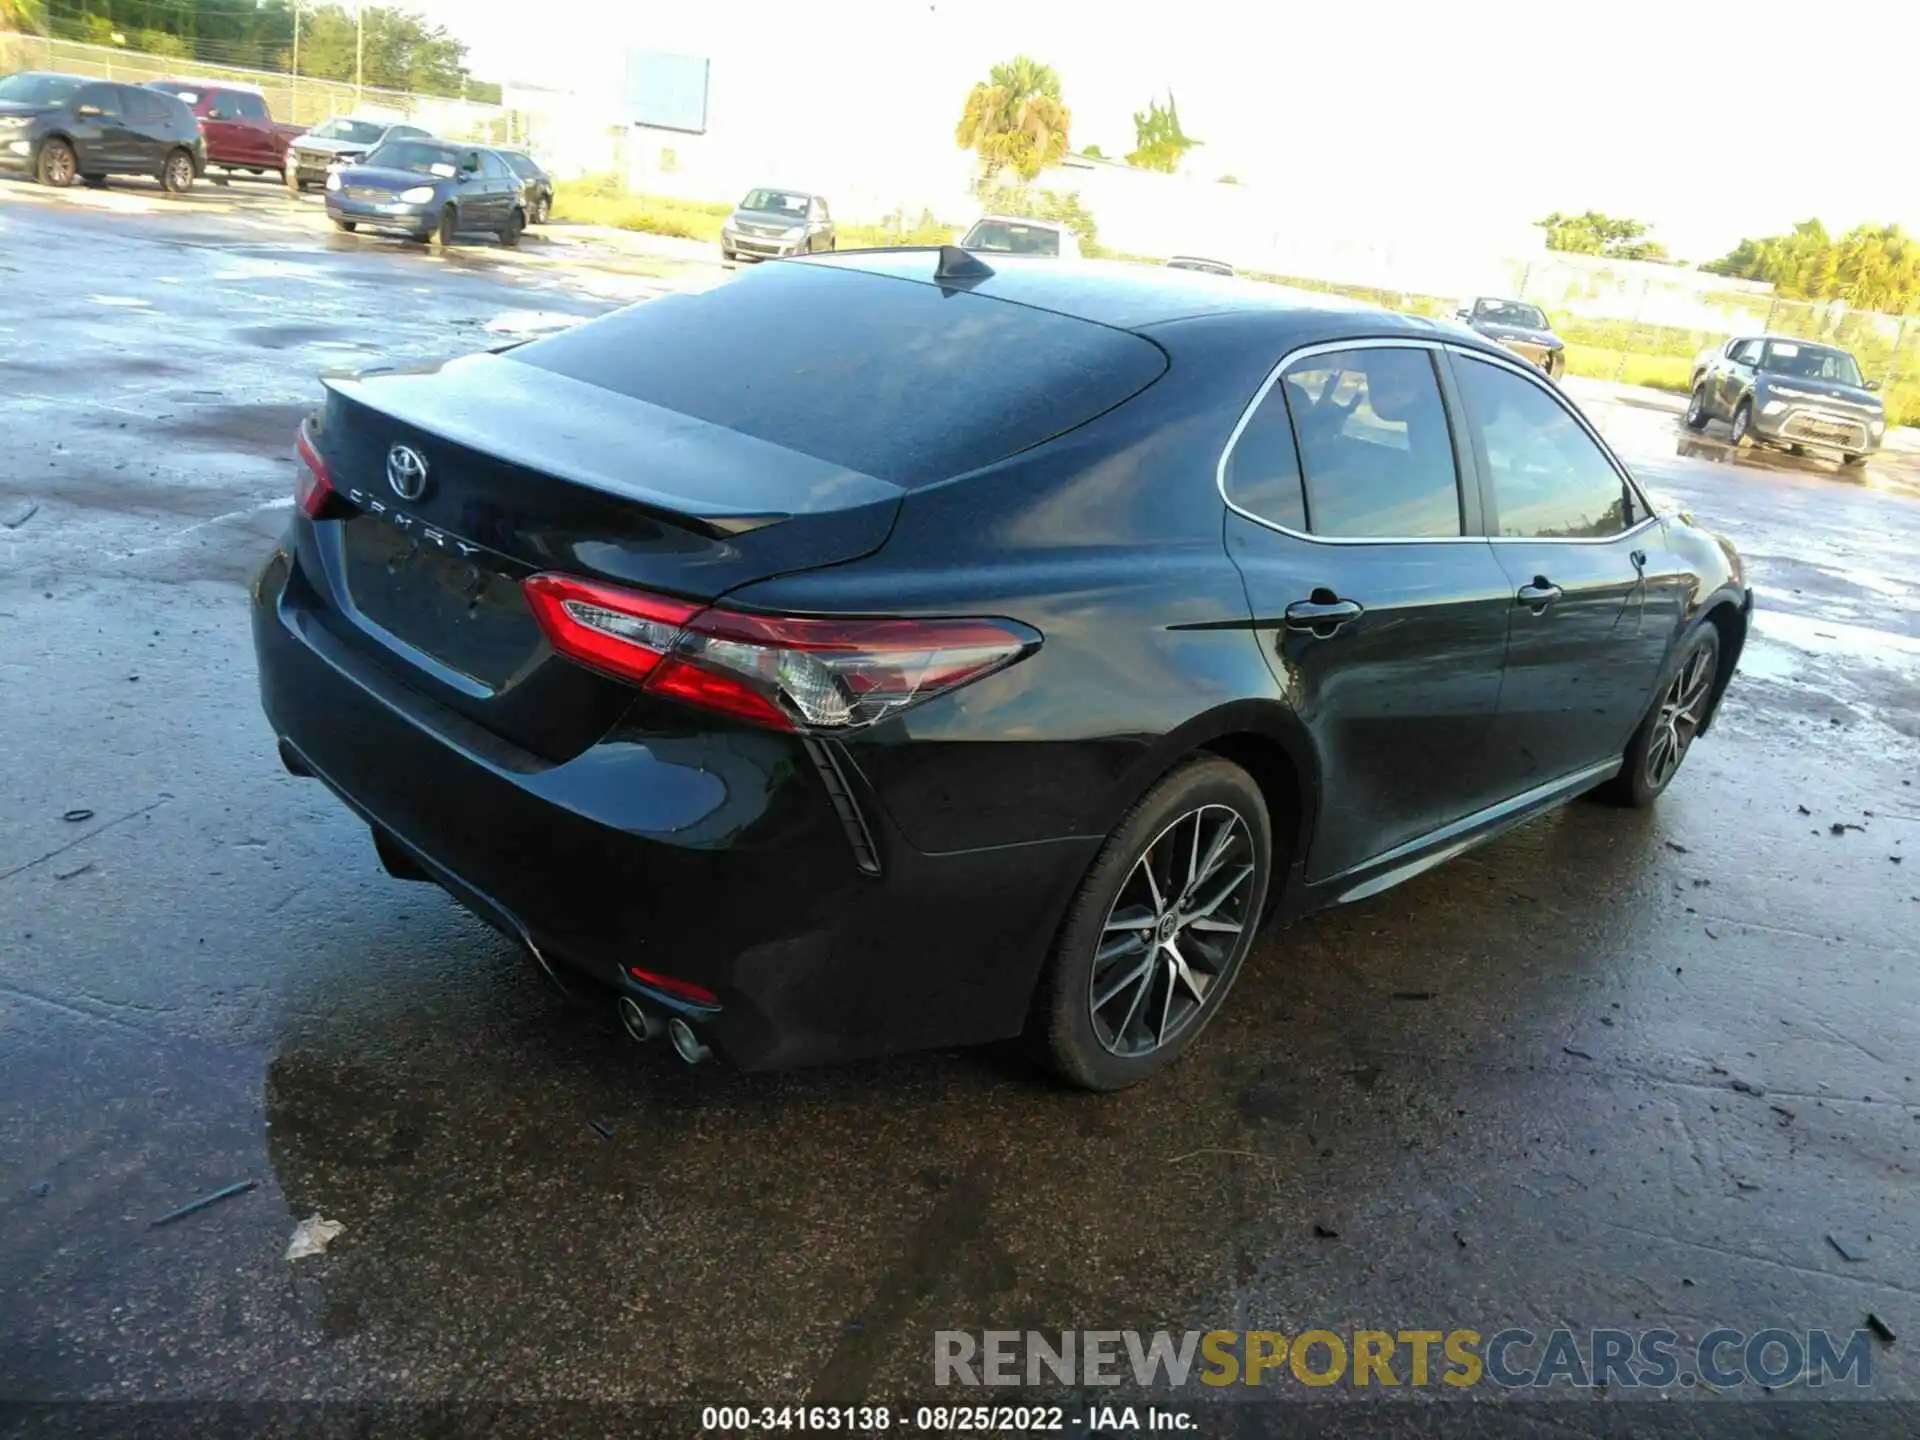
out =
column 1267, row 740
column 1732, row 617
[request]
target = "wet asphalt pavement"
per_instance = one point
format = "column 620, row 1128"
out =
column 1618, row 1069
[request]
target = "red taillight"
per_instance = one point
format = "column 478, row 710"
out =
column 788, row 673
column 621, row 632
column 313, row 485
column 685, row 989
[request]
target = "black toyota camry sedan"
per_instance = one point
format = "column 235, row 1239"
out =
column 893, row 649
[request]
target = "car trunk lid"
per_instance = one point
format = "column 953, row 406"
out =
column 461, row 481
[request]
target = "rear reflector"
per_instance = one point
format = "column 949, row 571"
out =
column 313, row 482
column 685, row 989
column 785, row 672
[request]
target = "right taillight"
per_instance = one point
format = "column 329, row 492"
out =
column 313, row 483
column 782, row 671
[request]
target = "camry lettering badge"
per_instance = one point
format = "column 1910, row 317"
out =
column 406, row 472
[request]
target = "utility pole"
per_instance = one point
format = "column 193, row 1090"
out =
column 293, row 89
column 359, row 48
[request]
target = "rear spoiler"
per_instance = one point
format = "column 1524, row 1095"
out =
column 705, row 476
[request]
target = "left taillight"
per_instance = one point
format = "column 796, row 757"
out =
column 313, row 482
column 786, row 672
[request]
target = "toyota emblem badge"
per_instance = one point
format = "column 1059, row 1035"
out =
column 406, row 472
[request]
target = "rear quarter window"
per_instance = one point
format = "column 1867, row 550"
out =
column 893, row 378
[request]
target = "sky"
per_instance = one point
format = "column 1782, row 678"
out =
column 1701, row 119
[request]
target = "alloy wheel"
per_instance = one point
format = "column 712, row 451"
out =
column 1695, row 407
column 179, row 173
column 1678, row 720
column 57, row 164
column 1742, row 418
column 1173, row 931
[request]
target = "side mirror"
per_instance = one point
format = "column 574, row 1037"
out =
column 1873, row 384
column 1463, row 314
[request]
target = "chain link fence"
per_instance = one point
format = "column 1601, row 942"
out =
column 295, row 99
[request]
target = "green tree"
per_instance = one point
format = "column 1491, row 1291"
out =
column 29, row 16
column 1596, row 234
column 1015, row 120
column 1871, row 267
column 1093, row 152
column 1159, row 142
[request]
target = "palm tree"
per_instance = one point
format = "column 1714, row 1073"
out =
column 1015, row 119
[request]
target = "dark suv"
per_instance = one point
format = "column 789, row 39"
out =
column 62, row 127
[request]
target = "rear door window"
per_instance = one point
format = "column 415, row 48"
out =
column 143, row 107
column 1375, row 448
column 893, row 378
column 250, row 107
column 1262, row 475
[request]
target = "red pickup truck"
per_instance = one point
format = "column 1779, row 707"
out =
column 240, row 130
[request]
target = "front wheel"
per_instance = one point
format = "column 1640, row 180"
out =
column 1853, row 461
column 1654, row 754
column 176, row 176
column 348, row 225
column 542, row 208
column 1743, row 424
column 1158, row 930
column 448, row 227
column 57, row 164
column 1697, row 408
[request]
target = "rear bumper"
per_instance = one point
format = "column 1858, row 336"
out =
column 717, row 857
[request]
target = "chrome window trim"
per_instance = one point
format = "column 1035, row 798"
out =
column 1414, row 342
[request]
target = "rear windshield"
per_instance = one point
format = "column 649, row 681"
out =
column 896, row 379
column 1009, row 237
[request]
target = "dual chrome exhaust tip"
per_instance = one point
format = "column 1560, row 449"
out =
column 642, row 1024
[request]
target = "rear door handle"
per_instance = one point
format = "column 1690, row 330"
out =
column 1540, row 594
column 1322, row 617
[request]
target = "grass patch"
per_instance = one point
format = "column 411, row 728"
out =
column 1656, row 372
column 600, row 200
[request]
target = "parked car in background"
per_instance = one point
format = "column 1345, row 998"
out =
column 769, row 224
column 1194, row 262
column 1771, row 388
column 343, row 140
column 1008, row 632
column 428, row 190
column 1015, row 235
column 240, row 130
column 62, row 128
column 536, row 185
column 1521, row 328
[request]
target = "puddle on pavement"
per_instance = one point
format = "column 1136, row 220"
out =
column 285, row 337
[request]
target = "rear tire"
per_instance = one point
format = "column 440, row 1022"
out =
column 1158, row 930
column 516, row 225
column 1667, row 733
column 176, row 175
column 447, row 230
column 1697, row 408
column 542, row 208
column 56, row 165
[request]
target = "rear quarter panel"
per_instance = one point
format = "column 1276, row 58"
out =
column 1110, row 542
